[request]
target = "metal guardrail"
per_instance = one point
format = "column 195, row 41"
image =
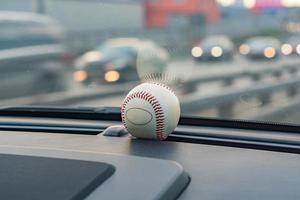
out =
column 39, row 52
column 71, row 97
column 224, row 100
column 32, row 70
column 228, row 77
column 272, row 112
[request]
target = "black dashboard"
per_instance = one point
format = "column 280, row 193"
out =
column 208, row 162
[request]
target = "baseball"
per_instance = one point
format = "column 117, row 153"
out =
column 151, row 111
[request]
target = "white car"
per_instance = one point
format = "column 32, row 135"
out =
column 261, row 48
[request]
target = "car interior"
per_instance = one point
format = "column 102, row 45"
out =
column 81, row 118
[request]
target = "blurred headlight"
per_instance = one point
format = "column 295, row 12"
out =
column 92, row 56
column 269, row 52
column 244, row 49
column 216, row 51
column 80, row 75
column 298, row 49
column 111, row 76
column 286, row 49
column 197, row 52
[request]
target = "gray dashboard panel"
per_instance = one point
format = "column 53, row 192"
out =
column 135, row 177
column 217, row 173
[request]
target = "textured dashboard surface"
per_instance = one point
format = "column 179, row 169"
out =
column 216, row 172
column 35, row 178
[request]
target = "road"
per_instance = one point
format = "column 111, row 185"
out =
column 188, row 69
column 211, row 86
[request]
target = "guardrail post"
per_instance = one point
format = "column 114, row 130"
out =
column 226, row 110
column 277, row 74
column 189, row 88
column 265, row 99
column 228, row 82
column 256, row 77
column 292, row 91
column 39, row 6
column 292, row 71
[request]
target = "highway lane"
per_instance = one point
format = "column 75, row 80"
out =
column 188, row 69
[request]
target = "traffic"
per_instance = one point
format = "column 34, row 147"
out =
column 46, row 59
column 33, row 57
column 116, row 60
column 149, row 99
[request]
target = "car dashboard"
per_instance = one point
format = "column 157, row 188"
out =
column 195, row 162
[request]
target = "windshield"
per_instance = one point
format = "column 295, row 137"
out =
column 115, row 50
column 229, row 59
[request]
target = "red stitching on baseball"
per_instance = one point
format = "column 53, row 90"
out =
column 159, row 115
column 165, row 86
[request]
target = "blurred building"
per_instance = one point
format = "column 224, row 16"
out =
column 82, row 15
column 161, row 13
column 267, row 5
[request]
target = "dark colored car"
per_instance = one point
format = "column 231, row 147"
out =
column 120, row 59
column 261, row 48
column 213, row 48
column 291, row 46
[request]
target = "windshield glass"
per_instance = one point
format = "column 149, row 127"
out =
column 115, row 50
column 229, row 59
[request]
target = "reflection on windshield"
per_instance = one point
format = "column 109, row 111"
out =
column 115, row 50
column 233, row 59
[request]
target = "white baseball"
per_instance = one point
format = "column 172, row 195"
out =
column 150, row 110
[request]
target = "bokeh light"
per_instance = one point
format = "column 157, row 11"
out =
column 112, row 76
column 269, row 52
column 80, row 75
column 216, row 51
column 226, row 2
column 249, row 3
column 290, row 3
column 298, row 49
column 197, row 52
column 244, row 49
column 286, row 49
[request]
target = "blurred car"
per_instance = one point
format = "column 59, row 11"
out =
column 120, row 59
column 217, row 47
column 33, row 58
column 291, row 46
column 261, row 48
